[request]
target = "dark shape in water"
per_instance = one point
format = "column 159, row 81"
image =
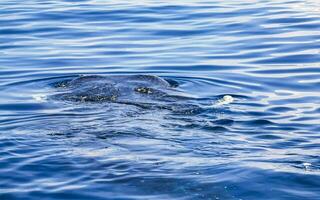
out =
column 146, row 91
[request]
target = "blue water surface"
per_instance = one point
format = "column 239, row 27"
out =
column 263, row 145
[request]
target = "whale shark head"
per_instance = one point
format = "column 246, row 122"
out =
column 116, row 88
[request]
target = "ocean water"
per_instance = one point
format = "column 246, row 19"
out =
column 262, row 144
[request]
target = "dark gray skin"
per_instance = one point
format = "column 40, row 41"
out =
column 146, row 91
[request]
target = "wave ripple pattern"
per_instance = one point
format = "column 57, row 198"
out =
column 250, row 70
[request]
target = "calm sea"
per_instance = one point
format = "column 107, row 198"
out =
column 263, row 145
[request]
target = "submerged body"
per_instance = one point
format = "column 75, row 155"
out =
column 138, row 90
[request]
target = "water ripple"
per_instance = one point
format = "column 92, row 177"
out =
column 262, row 145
